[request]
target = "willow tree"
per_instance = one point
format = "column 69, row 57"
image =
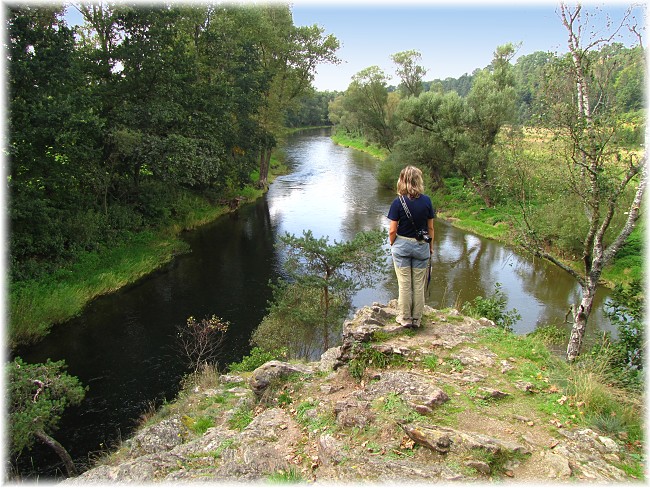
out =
column 463, row 131
column 373, row 107
column 607, row 180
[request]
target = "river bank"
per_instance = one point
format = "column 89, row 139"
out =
column 37, row 305
column 456, row 400
column 468, row 212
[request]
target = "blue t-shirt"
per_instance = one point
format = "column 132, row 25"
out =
column 421, row 210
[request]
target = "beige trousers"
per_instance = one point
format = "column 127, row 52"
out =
column 411, row 259
column 410, row 303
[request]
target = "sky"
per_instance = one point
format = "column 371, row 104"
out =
column 452, row 39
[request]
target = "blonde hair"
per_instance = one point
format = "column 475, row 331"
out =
column 410, row 182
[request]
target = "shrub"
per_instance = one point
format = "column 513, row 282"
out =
column 200, row 341
column 625, row 355
column 493, row 308
column 255, row 359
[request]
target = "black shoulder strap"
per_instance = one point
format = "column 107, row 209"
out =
column 406, row 209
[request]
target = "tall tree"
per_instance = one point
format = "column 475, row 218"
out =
column 600, row 174
column 43, row 184
column 289, row 55
column 492, row 104
column 368, row 99
column 464, row 130
column 409, row 71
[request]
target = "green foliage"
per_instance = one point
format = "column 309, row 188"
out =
column 318, row 422
column 291, row 475
column 140, row 120
column 396, row 408
column 38, row 395
column 240, row 418
column 493, row 307
column 366, row 356
column 256, row 358
column 550, row 335
column 199, row 425
column 430, row 361
column 323, row 278
column 625, row 355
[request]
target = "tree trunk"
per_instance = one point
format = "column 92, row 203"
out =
column 580, row 316
column 59, row 449
column 326, row 331
column 265, row 160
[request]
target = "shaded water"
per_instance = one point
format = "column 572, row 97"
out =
column 123, row 346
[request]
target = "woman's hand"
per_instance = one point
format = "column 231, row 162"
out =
column 392, row 231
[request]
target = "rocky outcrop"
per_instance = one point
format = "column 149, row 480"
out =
column 272, row 371
column 436, row 404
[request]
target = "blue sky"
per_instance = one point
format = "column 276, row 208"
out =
column 453, row 40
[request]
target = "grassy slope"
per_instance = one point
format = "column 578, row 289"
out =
column 35, row 306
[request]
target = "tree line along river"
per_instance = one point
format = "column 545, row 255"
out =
column 123, row 345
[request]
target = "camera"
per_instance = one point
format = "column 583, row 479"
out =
column 422, row 235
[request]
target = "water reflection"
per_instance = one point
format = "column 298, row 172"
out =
column 340, row 197
column 122, row 345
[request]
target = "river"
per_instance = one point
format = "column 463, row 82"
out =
column 123, row 345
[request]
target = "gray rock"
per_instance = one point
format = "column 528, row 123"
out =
column 487, row 393
column 263, row 376
column 480, row 466
column 329, row 450
column 432, row 437
column 163, row 436
column 442, row 439
column 230, row 378
column 415, row 389
column 351, row 413
column 556, row 464
column 329, row 359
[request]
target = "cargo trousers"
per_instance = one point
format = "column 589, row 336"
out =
column 411, row 259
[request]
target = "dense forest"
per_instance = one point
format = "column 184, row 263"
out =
column 120, row 124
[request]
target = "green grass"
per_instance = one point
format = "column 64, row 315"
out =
column 241, row 418
column 360, row 145
column 291, row 475
column 36, row 305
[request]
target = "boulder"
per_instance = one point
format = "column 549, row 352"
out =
column 263, row 376
column 163, row 436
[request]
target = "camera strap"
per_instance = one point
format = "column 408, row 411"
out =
column 408, row 214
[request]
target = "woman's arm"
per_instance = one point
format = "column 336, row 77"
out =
column 392, row 231
column 430, row 226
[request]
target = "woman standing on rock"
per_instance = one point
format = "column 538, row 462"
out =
column 411, row 238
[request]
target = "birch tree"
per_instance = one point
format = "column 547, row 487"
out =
column 608, row 181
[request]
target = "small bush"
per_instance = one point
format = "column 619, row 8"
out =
column 200, row 341
column 368, row 356
column 430, row 361
column 493, row 308
column 255, row 359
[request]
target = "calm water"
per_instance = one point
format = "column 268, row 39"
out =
column 123, row 346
